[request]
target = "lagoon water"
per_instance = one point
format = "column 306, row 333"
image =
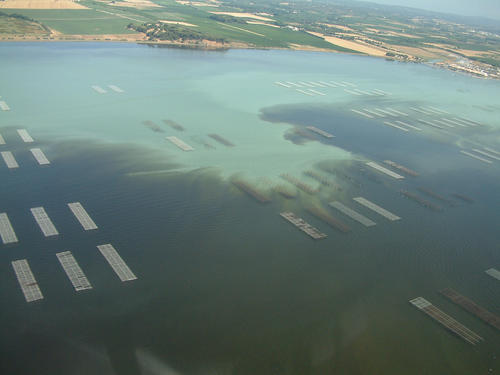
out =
column 225, row 285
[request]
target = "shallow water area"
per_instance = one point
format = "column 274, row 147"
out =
column 225, row 285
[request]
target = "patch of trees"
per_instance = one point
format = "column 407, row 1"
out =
column 162, row 31
column 226, row 19
column 23, row 18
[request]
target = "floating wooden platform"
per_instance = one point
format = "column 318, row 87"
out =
column 40, row 156
column 361, row 113
column 329, row 219
column 374, row 112
column 430, row 124
column 323, row 180
column 397, row 112
column 221, row 140
column 352, row 214
column 6, row 231
column 317, row 92
column 472, row 307
column 116, row 262
column 437, row 196
column 4, row 106
column 282, row 84
column 181, row 144
column 408, row 125
column 382, row 92
column 73, row 271
column 476, row 157
column 320, row 132
column 2, row 141
column 493, row 273
column 44, row 222
column 23, row 133
column 388, row 123
column 446, row 320
column 384, row 170
column 372, row 206
column 421, row 201
column 491, row 150
column 9, row 160
column 82, row 216
column 453, row 122
column 173, row 125
column 99, row 89
column 250, row 190
column 301, row 185
column 401, row 168
column 463, row 197
column 151, row 125
column 27, row 281
column 303, row 225
column 115, row 88
column 386, row 112
column 485, row 153
column 304, row 92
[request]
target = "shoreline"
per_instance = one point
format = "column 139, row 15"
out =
column 206, row 45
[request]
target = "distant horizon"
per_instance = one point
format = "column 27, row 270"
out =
column 480, row 8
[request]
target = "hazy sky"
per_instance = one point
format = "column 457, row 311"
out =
column 485, row 8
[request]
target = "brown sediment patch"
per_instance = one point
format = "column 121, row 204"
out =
column 40, row 4
column 244, row 15
column 420, row 52
column 178, row 23
column 302, row 47
column 135, row 4
column 353, row 45
column 210, row 3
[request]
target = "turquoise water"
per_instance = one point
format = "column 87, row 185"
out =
column 225, row 285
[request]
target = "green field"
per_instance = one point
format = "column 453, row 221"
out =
column 77, row 21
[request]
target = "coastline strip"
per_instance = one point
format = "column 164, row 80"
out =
column 26, row 280
column 116, row 262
